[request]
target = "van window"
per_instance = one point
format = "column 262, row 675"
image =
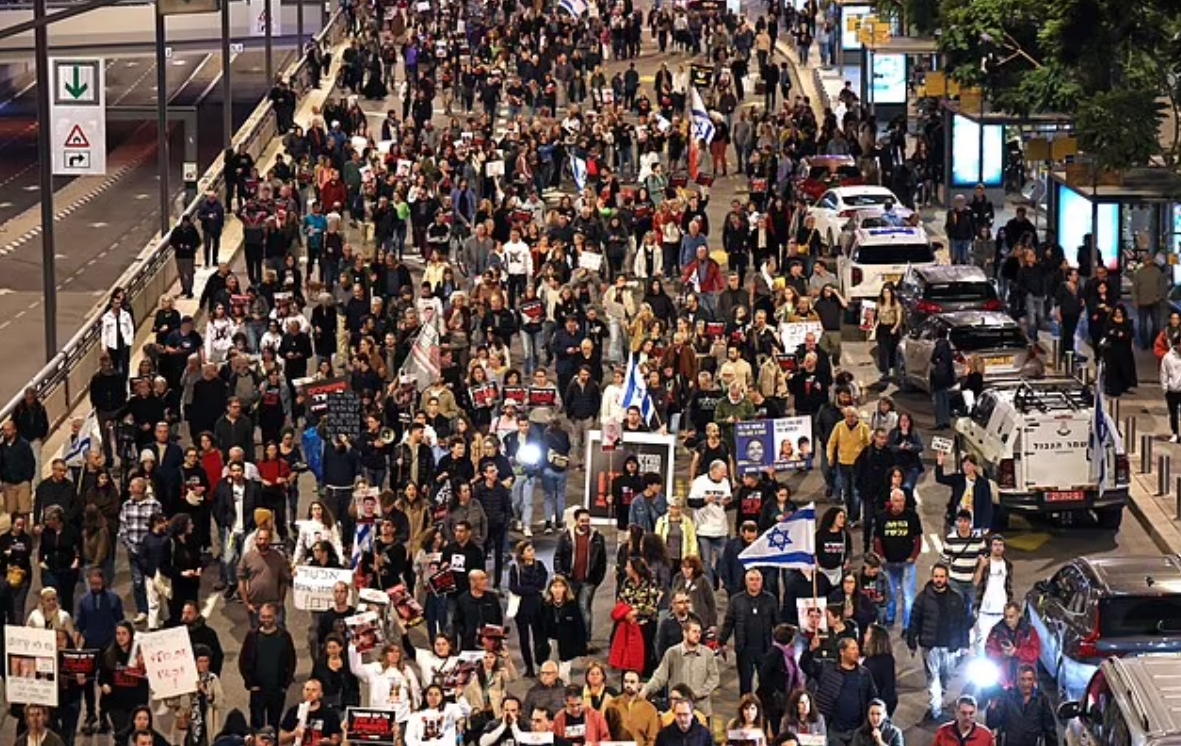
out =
column 983, row 411
column 1135, row 616
column 901, row 253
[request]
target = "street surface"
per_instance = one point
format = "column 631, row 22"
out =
column 101, row 228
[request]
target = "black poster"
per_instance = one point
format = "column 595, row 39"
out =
column 344, row 415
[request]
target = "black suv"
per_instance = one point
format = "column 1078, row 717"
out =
column 926, row 291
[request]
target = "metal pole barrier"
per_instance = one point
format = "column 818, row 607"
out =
column 45, row 84
column 1162, row 476
column 227, row 100
column 1145, row 454
column 162, row 126
column 1115, row 409
column 270, row 64
column 1177, row 499
column 1070, row 362
column 1130, row 433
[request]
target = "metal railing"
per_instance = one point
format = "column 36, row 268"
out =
column 65, row 379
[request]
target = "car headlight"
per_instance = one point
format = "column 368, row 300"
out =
column 983, row 673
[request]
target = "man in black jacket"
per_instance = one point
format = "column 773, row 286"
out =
column 234, row 428
column 750, row 618
column 939, row 623
column 267, row 664
column 582, row 558
column 843, row 688
column 494, row 498
column 1023, row 713
column 581, row 398
column 474, row 610
column 184, row 240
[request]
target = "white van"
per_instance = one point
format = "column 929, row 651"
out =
column 881, row 255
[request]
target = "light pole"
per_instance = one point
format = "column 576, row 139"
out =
column 45, row 87
column 227, row 108
column 162, row 125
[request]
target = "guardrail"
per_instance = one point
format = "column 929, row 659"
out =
column 65, row 379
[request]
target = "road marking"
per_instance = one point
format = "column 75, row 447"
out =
column 5, row 325
column 923, row 542
column 91, row 262
column 19, row 314
column 142, row 196
column 99, row 224
column 32, row 188
column 6, row 291
column 68, row 280
column 59, row 256
column 5, row 205
column 210, row 605
column 34, row 304
column 918, row 499
column 936, row 542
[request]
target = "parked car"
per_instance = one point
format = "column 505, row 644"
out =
column 990, row 335
column 1094, row 608
column 867, row 217
column 928, row 290
column 1131, row 701
column 837, row 205
column 820, row 173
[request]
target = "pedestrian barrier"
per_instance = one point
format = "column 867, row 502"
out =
column 1145, row 454
column 1130, row 433
column 1177, row 500
column 65, row 379
column 1162, row 475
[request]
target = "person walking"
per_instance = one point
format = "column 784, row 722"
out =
column 942, row 378
column 994, row 588
column 1022, row 716
column 961, row 229
column 843, row 688
column 211, row 214
column 898, row 540
column 99, row 612
column 134, row 525
column 964, row 730
column 970, row 490
column 184, row 240
column 940, row 625
column 962, row 549
column 1170, row 383
column 750, row 618
column 581, row 558
column 690, row 663
column 264, row 577
column 1150, row 290
column 267, row 664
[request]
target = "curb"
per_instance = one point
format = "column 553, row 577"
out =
column 1155, row 520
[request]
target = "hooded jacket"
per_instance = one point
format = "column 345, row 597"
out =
column 596, row 568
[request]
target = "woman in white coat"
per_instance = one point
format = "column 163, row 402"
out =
column 118, row 333
column 392, row 685
column 437, row 723
column 319, row 526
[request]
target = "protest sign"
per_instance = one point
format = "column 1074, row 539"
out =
column 794, row 333
column 366, row 725
column 82, row 663
column 169, row 662
column 784, row 443
column 942, row 445
column 313, row 586
column 31, row 665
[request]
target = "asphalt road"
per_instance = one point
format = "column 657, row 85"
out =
column 97, row 241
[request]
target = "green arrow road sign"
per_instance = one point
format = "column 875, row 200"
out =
column 76, row 87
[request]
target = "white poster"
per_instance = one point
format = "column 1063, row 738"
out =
column 30, row 668
column 258, row 20
column 169, row 662
column 313, row 586
column 793, row 334
column 810, row 615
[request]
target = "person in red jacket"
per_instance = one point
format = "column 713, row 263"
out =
column 964, row 730
column 579, row 724
column 704, row 275
column 1011, row 643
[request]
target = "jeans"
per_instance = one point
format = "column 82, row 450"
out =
column 231, row 551
column 1148, row 325
column 711, row 548
column 961, row 250
column 940, row 662
column 968, row 591
column 435, row 611
column 522, row 496
column 554, row 484
column 186, row 268
column 266, row 708
column 139, row 590
column 494, row 544
column 375, row 477
column 532, row 344
column 902, row 577
column 585, row 592
column 1035, row 315
column 211, row 243
column 846, row 492
column 67, row 716
column 942, row 399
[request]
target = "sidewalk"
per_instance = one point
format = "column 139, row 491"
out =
column 231, row 245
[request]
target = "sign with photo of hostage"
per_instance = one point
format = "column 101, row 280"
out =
column 655, row 452
column 785, row 443
column 810, row 615
column 30, row 665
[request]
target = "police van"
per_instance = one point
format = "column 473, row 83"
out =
column 1039, row 442
column 880, row 255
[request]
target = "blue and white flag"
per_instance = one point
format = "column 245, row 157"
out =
column 1102, row 433
column 574, row 7
column 703, row 126
column 578, row 166
column 789, row 544
column 78, row 445
column 635, row 390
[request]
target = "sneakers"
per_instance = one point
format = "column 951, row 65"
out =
column 549, row 528
column 141, row 618
column 1175, row 439
column 528, row 532
column 90, row 726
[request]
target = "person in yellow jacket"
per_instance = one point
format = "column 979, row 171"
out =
column 849, row 438
column 674, row 522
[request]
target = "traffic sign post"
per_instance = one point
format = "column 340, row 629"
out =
column 78, row 112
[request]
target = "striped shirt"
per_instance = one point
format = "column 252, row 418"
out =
column 961, row 554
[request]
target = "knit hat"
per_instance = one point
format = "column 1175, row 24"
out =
column 263, row 516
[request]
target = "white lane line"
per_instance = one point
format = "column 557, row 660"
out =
column 19, row 314
column 925, row 548
column 936, row 542
column 210, row 605
column 5, row 325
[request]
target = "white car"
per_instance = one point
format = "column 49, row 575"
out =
column 866, row 217
column 837, row 205
column 879, row 256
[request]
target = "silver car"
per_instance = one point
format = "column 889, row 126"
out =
column 991, row 336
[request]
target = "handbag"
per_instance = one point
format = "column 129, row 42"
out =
column 513, row 606
column 163, row 585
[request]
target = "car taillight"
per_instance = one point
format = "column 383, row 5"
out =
column 858, row 276
column 994, row 305
column 927, row 307
column 1088, row 646
column 959, row 358
column 1123, row 472
column 847, row 213
column 1007, row 477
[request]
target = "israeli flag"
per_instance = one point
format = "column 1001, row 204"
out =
column 635, row 390
column 703, row 126
column 578, row 166
column 789, row 544
column 362, row 542
column 1102, row 433
column 574, row 7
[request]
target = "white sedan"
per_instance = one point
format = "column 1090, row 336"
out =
column 837, row 205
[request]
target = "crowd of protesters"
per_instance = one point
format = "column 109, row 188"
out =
column 486, row 298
